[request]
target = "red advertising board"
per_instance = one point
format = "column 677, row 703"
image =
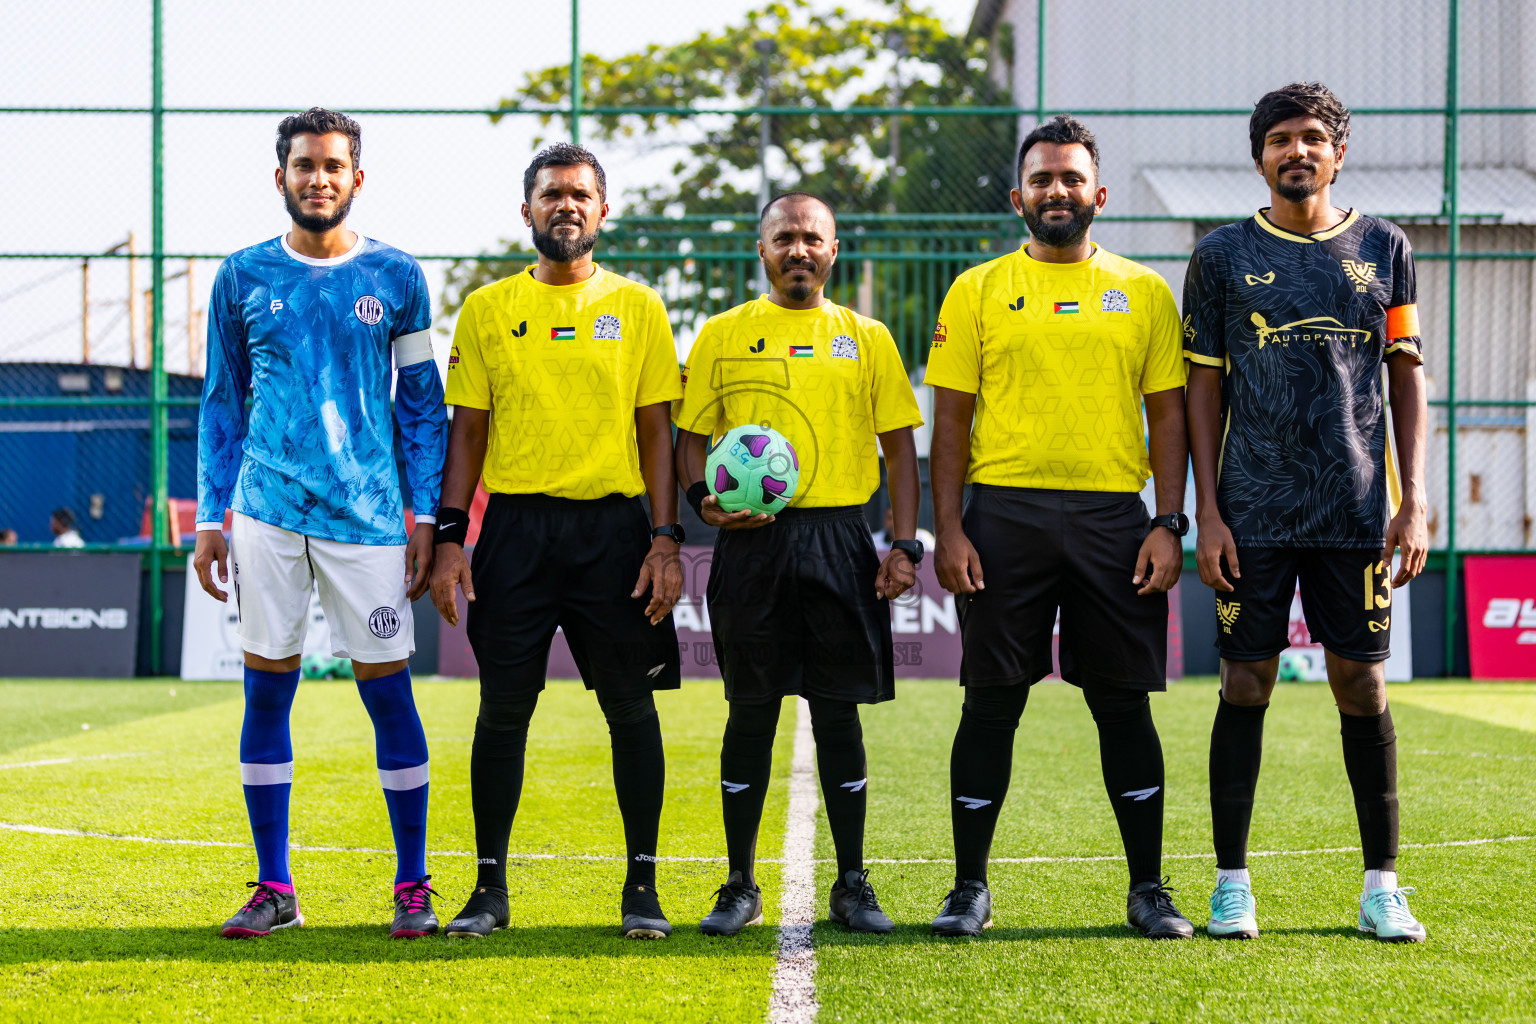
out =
column 1501, row 616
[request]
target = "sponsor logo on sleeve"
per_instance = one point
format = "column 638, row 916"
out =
column 939, row 335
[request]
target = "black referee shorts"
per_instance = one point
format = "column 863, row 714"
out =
column 793, row 610
column 543, row 562
column 1043, row 550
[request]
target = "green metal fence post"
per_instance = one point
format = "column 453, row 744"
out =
column 575, row 72
column 158, row 440
column 1452, row 166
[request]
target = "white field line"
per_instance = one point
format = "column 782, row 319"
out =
column 45, row 830
column 1469, row 753
column 793, row 1000
column 64, row 760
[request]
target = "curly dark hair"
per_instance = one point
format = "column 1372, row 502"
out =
column 564, row 154
column 1063, row 129
column 319, row 121
column 1299, row 99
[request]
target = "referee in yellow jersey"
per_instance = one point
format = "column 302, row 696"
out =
column 561, row 378
column 1040, row 365
column 798, row 600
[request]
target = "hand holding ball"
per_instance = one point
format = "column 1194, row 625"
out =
column 754, row 468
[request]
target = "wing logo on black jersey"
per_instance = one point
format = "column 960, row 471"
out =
column 1320, row 329
column 1361, row 273
column 1268, row 278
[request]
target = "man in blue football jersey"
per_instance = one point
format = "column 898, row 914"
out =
column 307, row 324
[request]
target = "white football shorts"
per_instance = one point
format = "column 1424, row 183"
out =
column 362, row 592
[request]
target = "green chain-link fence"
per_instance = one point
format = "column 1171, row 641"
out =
column 129, row 133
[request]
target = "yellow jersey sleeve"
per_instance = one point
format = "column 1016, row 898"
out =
column 1164, row 368
column 954, row 360
column 468, row 383
column 699, row 412
column 659, row 379
column 894, row 404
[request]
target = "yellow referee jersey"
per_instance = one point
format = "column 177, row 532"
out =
column 828, row 379
column 562, row 370
column 1058, row 356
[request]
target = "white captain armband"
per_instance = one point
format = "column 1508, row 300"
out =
column 413, row 348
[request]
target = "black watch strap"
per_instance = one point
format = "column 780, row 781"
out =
column 675, row 531
column 913, row 548
column 1178, row 522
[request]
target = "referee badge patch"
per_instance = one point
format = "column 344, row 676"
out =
column 384, row 622
column 606, row 328
column 1115, row 301
column 844, row 347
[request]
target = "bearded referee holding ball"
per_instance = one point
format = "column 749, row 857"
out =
column 1040, row 365
column 562, row 378
column 798, row 600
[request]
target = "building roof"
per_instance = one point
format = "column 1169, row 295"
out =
column 1505, row 195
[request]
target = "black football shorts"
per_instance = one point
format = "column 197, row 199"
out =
column 1043, row 550
column 793, row 609
column 543, row 562
column 1346, row 596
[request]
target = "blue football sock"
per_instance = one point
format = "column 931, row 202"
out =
column 266, row 767
column 401, row 748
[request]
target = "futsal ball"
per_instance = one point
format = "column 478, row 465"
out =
column 753, row 468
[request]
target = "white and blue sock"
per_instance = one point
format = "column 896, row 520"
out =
column 401, row 748
column 266, row 768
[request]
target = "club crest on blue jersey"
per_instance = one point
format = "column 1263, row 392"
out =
column 369, row 310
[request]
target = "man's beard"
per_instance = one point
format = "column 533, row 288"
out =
column 1297, row 191
column 563, row 249
column 316, row 222
column 1064, row 234
column 797, row 289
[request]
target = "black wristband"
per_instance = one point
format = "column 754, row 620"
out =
column 696, row 495
column 452, row 526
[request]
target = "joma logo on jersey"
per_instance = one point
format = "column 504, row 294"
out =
column 1361, row 273
column 1227, row 611
column 1321, row 329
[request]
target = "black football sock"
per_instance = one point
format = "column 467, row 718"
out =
column 639, row 781
column 496, row 781
column 1131, row 756
column 980, row 768
column 844, row 777
column 746, row 763
column 1370, row 758
column 1237, row 746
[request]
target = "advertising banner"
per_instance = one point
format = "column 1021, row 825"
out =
column 68, row 613
column 925, row 631
column 1501, row 616
column 1305, row 658
column 210, row 638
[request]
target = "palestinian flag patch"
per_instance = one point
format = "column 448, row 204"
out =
column 798, row 351
column 1066, row 307
column 569, row 333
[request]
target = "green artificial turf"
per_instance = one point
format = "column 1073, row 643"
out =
column 110, row 929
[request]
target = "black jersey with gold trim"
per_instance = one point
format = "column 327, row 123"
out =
column 1301, row 324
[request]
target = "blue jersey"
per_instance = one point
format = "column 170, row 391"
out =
column 312, row 341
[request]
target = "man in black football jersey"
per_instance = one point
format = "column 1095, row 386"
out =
column 1289, row 317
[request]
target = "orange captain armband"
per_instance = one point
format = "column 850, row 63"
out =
column 1402, row 322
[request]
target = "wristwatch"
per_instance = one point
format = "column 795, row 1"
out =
column 1178, row 522
column 675, row 531
column 913, row 548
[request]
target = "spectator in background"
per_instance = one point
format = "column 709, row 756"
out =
column 7, row 538
column 62, row 523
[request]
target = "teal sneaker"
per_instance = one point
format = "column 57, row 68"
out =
column 1384, row 913
column 1232, row 911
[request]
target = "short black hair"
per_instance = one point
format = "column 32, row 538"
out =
column 1063, row 130
column 794, row 197
column 319, row 121
column 564, row 154
column 65, row 517
column 1299, row 99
